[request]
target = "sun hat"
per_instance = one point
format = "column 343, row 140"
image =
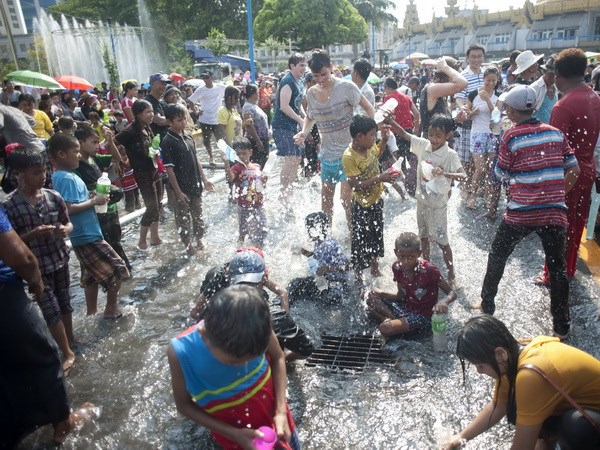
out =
column 525, row 60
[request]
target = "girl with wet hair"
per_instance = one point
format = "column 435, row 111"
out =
column 549, row 390
column 256, row 126
column 230, row 122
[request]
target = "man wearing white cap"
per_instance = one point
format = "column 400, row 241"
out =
column 541, row 168
column 527, row 67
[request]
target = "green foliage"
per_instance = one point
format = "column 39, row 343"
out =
column 216, row 42
column 313, row 23
column 110, row 64
column 122, row 11
column 37, row 55
column 375, row 10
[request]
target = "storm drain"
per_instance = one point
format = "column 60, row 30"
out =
column 353, row 352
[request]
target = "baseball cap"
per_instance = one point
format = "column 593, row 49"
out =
column 246, row 267
column 206, row 74
column 549, row 66
column 159, row 77
column 525, row 60
column 520, row 97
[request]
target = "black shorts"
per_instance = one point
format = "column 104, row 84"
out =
column 573, row 430
column 367, row 234
column 207, row 130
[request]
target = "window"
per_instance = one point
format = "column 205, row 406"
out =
column 597, row 25
column 23, row 47
column 547, row 34
column 483, row 39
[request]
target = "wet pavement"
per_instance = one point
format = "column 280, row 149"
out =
column 414, row 404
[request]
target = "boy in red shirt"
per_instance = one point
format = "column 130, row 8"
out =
column 408, row 311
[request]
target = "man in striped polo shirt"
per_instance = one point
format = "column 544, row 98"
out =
column 474, row 76
column 541, row 167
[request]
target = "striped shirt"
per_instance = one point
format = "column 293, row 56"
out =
column 533, row 157
column 226, row 392
column 475, row 81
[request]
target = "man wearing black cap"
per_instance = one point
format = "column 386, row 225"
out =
column 210, row 97
column 158, row 85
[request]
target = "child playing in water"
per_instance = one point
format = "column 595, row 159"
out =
column 91, row 166
column 40, row 217
column 361, row 164
column 408, row 311
column 325, row 260
column 228, row 371
column 432, row 215
column 249, row 181
column 186, row 177
column 100, row 264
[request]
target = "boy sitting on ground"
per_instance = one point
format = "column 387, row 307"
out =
column 408, row 311
column 230, row 364
column 432, row 214
column 326, row 260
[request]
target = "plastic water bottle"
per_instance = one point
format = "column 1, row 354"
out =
column 496, row 115
column 387, row 108
column 103, row 188
column 268, row 441
column 438, row 326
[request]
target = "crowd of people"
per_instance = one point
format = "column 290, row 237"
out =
column 529, row 131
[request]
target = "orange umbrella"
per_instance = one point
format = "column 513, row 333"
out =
column 73, row 82
column 176, row 77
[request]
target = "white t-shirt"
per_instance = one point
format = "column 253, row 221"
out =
column 404, row 89
column 481, row 121
column 367, row 91
column 210, row 99
column 444, row 157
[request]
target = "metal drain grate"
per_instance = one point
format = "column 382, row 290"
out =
column 353, row 352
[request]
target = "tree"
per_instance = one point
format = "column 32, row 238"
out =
column 37, row 55
column 122, row 11
column 375, row 11
column 110, row 64
column 216, row 42
column 314, row 23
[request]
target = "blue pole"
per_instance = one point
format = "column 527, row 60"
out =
column 373, row 43
column 251, row 42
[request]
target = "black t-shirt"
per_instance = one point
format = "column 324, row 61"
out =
column 136, row 146
column 157, row 106
column 179, row 152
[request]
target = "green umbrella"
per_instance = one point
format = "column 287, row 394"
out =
column 35, row 79
column 373, row 79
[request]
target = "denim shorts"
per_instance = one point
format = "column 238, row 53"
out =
column 284, row 141
column 333, row 171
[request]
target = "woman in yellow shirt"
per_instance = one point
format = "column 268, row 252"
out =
column 541, row 414
column 229, row 119
column 43, row 127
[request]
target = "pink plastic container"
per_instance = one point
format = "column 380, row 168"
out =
column 268, row 441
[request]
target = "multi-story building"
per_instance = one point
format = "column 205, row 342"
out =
column 545, row 27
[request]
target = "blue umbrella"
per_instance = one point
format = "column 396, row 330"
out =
column 399, row 66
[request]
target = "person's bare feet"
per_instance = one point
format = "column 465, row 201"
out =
column 475, row 305
column 375, row 272
column 142, row 245
column 80, row 416
column 156, row 242
column 67, row 363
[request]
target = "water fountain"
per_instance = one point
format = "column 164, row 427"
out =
column 75, row 48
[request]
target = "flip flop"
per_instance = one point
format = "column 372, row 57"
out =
column 118, row 316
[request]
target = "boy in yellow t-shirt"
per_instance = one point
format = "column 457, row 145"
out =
column 361, row 164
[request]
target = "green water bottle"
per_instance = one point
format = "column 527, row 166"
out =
column 438, row 326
